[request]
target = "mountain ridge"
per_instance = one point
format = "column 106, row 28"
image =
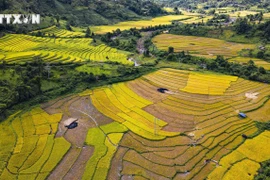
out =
column 84, row 12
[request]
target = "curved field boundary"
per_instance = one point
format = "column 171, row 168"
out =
column 131, row 115
column 243, row 163
column 23, row 48
column 35, row 152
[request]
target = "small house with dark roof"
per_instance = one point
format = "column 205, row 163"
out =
column 242, row 115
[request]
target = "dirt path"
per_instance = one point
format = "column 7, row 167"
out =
column 140, row 43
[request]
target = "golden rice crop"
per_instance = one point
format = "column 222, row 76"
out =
column 38, row 119
column 199, row 45
column 258, row 62
column 16, row 160
column 258, row 144
column 104, row 163
column 135, row 115
column 141, row 132
column 60, row 32
column 113, row 99
column 26, row 176
column 243, row 170
column 28, row 125
column 198, row 159
column 242, row 13
column 22, row 48
column 100, row 151
column 36, row 154
column 103, row 109
column 231, row 159
column 60, row 148
column 149, row 117
column 163, row 20
column 101, row 96
column 211, row 84
column 19, row 145
column 125, row 99
column 54, row 128
column 17, row 126
column 243, row 162
column 218, row 173
column 156, row 80
column 261, row 114
column 7, row 175
column 132, row 94
column 43, row 129
column 55, row 118
column 36, row 167
column 113, row 127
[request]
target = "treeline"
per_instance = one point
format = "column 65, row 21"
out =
column 243, row 26
column 127, row 39
column 24, row 83
column 264, row 171
column 124, row 40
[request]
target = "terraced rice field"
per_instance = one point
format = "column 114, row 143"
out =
column 31, row 148
column 163, row 20
column 266, row 15
column 53, row 30
column 130, row 130
column 258, row 62
column 17, row 48
column 200, row 46
column 210, row 84
column 242, row 13
column 243, row 163
column 168, row 9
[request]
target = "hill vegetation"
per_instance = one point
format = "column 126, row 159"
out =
column 194, row 4
column 80, row 13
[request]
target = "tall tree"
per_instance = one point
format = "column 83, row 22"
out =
column 88, row 32
column 242, row 26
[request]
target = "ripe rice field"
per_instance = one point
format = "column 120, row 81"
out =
column 130, row 129
column 53, row 30
column 266, row 15
column 199, row 46
column 243, row 163
column 17, row 48
column 242, row 13
column 258, row 62
column 163, row 20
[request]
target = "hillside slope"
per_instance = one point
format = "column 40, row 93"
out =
column 217, row 3
column 84, row 12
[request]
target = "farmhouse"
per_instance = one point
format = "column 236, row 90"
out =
column 242, row 115
column 162, row 90
column 71, row 123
